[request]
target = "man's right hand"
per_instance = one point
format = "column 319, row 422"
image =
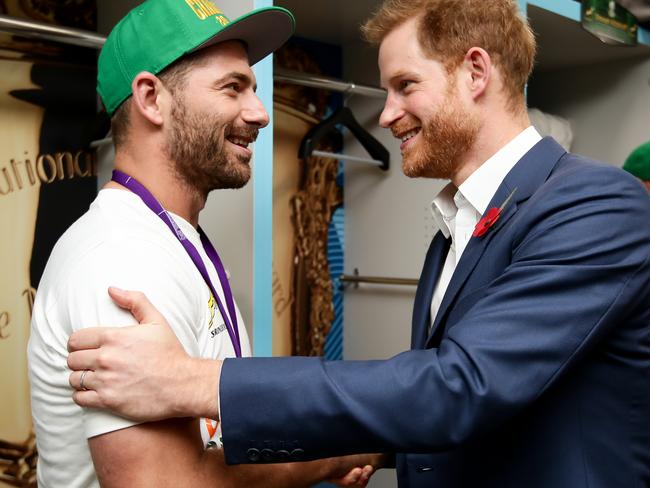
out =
column 364, row 466
column 141, row 372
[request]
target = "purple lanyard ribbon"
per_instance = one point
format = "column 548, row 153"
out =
column 150, row 201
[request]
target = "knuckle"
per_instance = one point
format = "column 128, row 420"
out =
column 107, row 336
column 80, row 399
column 103, row 360
column 109, row 400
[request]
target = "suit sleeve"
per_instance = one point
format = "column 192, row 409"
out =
column 579, row 268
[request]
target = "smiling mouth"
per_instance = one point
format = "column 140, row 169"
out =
column 406, row 136
column 240, row 141
column 409, row 135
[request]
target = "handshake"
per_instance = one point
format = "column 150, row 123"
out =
column 143, row 373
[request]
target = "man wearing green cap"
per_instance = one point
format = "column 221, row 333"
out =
column 175, row 76
column 638, row 164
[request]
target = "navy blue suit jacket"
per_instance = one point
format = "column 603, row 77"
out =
column 536, row 372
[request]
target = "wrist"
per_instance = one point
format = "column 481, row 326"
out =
column 200, row 384
column 334, row 467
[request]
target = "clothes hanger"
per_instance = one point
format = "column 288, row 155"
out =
column 344, row 117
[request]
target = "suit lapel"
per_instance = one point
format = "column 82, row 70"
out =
column 431, row 270
column 526, row 176
column 474, row 250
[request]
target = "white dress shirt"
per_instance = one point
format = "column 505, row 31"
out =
column 457, row 211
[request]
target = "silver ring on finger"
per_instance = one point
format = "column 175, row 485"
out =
column 81, row 381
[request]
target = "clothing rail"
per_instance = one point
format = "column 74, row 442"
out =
column 41, row 30
column 316, row 81
column 348, row 157
column 377, row 280
column 78, row 37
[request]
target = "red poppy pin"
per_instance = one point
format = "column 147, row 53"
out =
column 491, row 216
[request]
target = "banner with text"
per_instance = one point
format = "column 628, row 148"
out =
column 47, row 181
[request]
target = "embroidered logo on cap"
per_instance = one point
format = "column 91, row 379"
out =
column 205, row 9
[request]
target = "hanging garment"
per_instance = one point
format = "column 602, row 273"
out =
column 552, row 125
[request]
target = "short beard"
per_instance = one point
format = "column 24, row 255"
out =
column 445, row 139
column 196, row 146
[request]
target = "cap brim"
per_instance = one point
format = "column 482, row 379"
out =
column 263, row 30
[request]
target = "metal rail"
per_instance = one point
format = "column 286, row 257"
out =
column 316, row 81
column 378, row 280
column 49, row 32
column 347, row 157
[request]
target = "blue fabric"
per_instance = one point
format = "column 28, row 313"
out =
column 536, row 373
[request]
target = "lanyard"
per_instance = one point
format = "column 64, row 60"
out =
column 150, row 201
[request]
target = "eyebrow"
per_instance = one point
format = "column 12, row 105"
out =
column 239, row 76
column 401, row 75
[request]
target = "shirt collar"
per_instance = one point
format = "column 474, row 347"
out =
column 444, row 209
column 483, row 183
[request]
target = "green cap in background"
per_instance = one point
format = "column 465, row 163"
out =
column 155, row 34
column 638, row 163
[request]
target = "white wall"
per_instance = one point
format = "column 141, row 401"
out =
column 607, row 104
column 228, row 215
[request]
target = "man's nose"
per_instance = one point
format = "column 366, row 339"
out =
column 254, row 112
column 391, row 113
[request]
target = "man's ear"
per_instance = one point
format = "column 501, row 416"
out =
column 478, row 65
column 147, row 90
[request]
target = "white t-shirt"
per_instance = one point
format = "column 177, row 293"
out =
column 118, row 242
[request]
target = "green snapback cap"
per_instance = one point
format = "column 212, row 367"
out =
column 158, row 32
column 638, row 163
